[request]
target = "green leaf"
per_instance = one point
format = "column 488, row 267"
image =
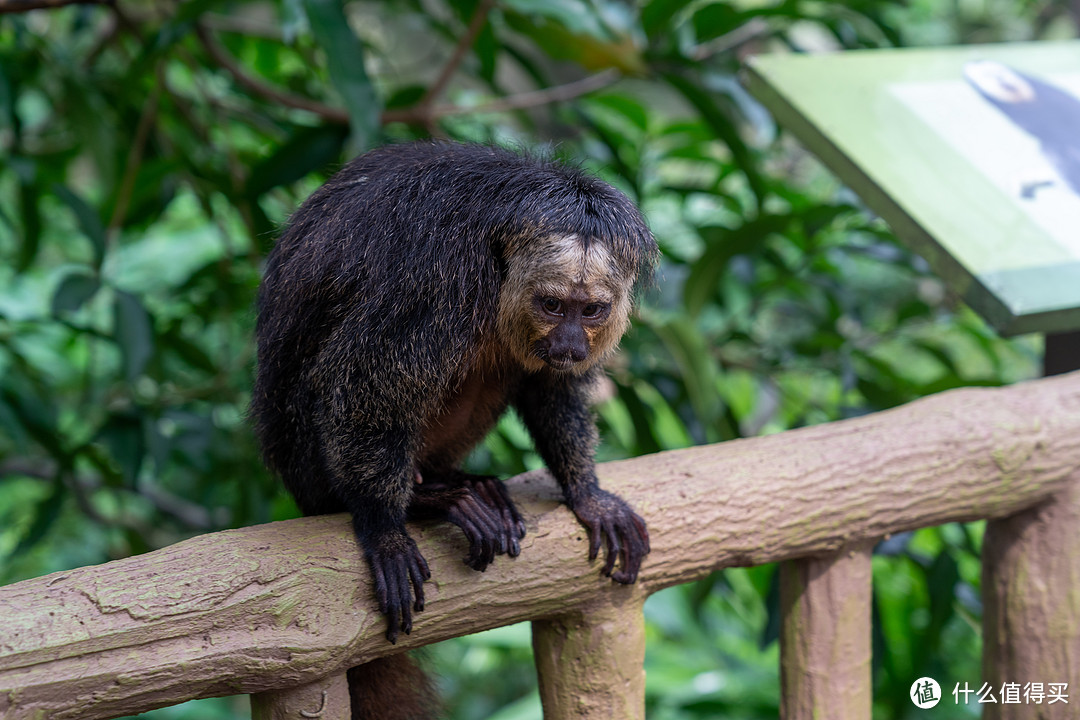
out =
column 723, row 244
column 308, row 149
column 123, row 435
column 133, row 332
column 36, row 415
column 45, row 515
column 626, row 106
column 178, row 25
column 657, row 14
column 345, row 62
column 698, row 368
column 73, row 292
column 188, row 351
column 593, row 50
column 640, row 415
column 574, row 16
column 714, row 20
column 11, row 427
column 724, row 128
column 486, row 49
column 29, row 196
column 406, row 96
column 88, row 219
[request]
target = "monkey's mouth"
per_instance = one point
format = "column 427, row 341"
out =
column 564, row 359
column 562, row 363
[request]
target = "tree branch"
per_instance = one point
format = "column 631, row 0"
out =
column 419, row 113
column 476, row 24
column 535, row 98
column 263, row 89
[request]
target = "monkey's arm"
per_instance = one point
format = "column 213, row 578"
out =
column 555, row 410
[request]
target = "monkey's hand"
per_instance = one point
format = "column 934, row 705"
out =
column 396, row 563
column 480, row 506
column 609, row 520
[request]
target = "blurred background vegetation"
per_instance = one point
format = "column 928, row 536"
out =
column 150, row 151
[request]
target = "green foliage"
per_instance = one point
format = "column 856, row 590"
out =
column 150, row 154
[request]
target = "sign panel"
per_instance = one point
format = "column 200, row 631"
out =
column 971, row 154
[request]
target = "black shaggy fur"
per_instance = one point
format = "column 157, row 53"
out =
column 378, row 312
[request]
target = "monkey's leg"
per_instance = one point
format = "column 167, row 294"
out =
column 477, row 504
column 555, row 410
column 371, row 471
column 395, row 561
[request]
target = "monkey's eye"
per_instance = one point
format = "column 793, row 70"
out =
column 552, row 305
column 593, row 310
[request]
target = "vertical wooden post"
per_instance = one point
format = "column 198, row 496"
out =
column 591, row 662
column 326, row 699
column 1031, row 615
column 825, row 643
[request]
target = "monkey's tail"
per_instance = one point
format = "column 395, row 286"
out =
column 392, row 688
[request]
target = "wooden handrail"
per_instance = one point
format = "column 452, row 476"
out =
column 284, row 604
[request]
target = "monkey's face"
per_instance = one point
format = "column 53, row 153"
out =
column 564, row 305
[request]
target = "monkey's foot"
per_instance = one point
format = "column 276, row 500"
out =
column 610, row 521
column 481, row 507
column 396, row 563
column 492, row 492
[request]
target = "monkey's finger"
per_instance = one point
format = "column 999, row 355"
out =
column 497, row 530
column 494, row 508
column 403, row 599
column 489, row 532
column 511, row 516
column 631, row 566
column 425, row 571
column 614, row 549
column 417, row 577
column 594, row 539
column 635, row 551
column 472, row 533
column 481, row 514
column 643, row 532
column 627, row 554
column 381, row 593
column 631, row 562
column 514, row 529
column 393, row 620
column 479, row 556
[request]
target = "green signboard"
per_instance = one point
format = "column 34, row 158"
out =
column 971, row 154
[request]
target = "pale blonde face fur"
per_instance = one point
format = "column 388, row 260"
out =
column 558, row 268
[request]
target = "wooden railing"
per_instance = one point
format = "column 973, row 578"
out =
column 281, row 610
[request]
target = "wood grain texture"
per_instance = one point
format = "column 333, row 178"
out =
column 325, row 699
column 591, row 662
column 1031, row 598
column 288, row 603
column 825, row 641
